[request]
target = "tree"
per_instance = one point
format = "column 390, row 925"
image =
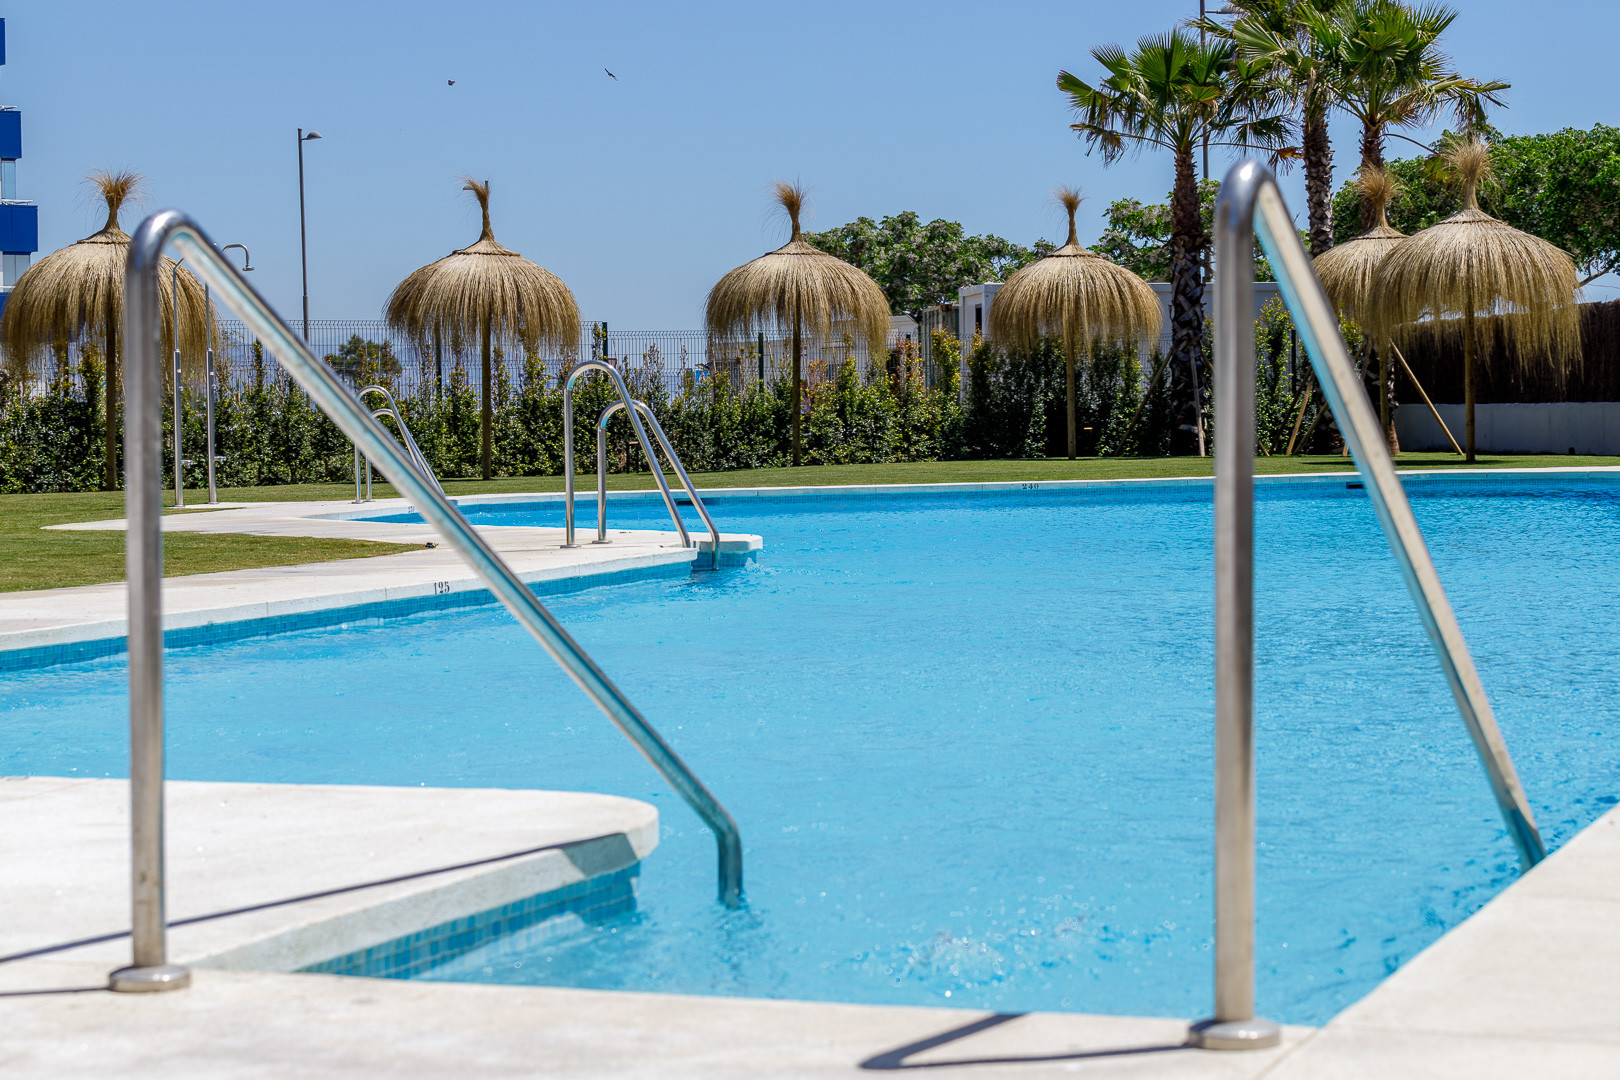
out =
column 1278, row 34
column 1172, row 93
column 919, row 265
column 1387, row 70
column 1563, row 187
column 361, row 358
column 1138, row 235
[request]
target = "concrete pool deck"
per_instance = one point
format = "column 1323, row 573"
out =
column 59, row 618
column 1528, row 987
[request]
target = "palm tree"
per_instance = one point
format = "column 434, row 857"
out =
column 1173, row 92
column 1386, row 69
column 1278, row 34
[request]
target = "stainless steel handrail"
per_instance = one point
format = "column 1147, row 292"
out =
column 415, row 451
column 1250, row 205
column 143, row 448
column 669, row 454
column 612, row 372
column 411, row 449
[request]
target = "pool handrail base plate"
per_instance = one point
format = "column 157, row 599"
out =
column 1250, row 1034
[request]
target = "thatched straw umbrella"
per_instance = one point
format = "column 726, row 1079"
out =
column 1347, row 271
column 1472, row 265
column 488, row 291
column 1076, row 294
column 800, row 286
column 77, row 294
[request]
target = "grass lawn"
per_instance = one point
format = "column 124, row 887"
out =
column 31, row 558
column 34, row 558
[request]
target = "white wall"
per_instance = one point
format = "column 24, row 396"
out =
column 1587, row 427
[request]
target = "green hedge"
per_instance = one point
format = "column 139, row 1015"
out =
column 269, row 433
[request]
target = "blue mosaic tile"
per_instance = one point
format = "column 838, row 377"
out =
column 548, row 915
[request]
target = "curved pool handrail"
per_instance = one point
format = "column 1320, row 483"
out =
column 143, row 448
column 612, row 372
column 669, row 455
column 1251, row 204
column 391, row 409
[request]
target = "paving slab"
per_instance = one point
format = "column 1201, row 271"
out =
column 57, row 617
column 242, row 1025
column 280, row 876
column 1529, row 986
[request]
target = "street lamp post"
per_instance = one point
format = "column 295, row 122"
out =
column 303, row 243
column 208, row 374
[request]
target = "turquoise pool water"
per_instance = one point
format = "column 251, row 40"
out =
column 968, row 737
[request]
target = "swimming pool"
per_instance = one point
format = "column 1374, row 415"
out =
column 968, row 736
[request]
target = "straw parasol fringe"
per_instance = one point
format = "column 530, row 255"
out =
column 1347, row 273
column 1078, row 295
column 1471, row 265
column 77, row 294
column 797, row 286
column 485, row 291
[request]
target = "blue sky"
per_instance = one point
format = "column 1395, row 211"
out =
column 641, row 191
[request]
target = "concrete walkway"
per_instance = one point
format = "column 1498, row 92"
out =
column 268, row 878
column 58, row 617
column 275, row 877
column 1529, row 987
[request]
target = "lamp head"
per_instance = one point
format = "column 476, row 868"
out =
column 312, row 135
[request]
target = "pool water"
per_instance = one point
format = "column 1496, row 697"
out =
column 968, row 738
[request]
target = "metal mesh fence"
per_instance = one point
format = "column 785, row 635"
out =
column 675, row 358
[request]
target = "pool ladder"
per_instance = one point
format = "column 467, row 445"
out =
column 143, row 451
column 1250, row 205
column 417, row 458
column 635, row 409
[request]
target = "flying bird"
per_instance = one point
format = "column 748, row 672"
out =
column 612, row 76
column 452, row 82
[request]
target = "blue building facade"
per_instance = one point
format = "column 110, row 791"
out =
column 19, row 220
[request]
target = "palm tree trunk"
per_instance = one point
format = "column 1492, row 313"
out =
column 1318, row 152
column 1186, row 308
column 111, row 478
column 1068, row 368
column 488, row 406
column 1372, row 153
column 1468, row 386
column 798, row 383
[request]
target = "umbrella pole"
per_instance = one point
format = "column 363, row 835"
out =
column 1299, row 417
column 1068, row 371
column 1425, row 395
column 112, row 399
column 798, row 383
column 1384, row 418
column 487, row 405
column 1468, row 385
